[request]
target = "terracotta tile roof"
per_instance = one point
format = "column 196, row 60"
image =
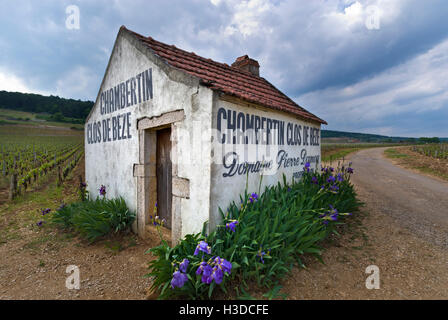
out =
column 227, row 79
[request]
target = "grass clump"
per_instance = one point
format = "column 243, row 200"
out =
column 93, row 219
column 394, row 153
column 260, row 238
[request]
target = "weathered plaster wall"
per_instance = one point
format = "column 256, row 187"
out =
column 111, row 163
column 194, row 162
column 226, row 189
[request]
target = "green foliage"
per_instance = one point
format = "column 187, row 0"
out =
column 31, row 154
column 272, row 233
column 363, row 137
column 59, row 107
column 429, row 140
column 162, row 269
column 93, row 219
column 394, row 153
column 83, row 193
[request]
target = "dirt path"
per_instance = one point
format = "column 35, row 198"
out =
column 419, row 203
column 402, row 229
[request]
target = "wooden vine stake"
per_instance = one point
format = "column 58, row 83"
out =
column 59, row 176
column 13, row 186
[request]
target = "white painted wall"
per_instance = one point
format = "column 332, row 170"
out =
column 111, row 163
column 224, row 190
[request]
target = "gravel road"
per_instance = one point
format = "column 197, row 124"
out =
column 417, row 202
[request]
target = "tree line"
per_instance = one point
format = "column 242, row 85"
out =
column 367, row 137
column 60, row 108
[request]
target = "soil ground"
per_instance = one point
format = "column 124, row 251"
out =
column 401, row 230
column 33, row 260
column 414, row 161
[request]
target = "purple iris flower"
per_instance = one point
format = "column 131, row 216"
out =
column 350, row 170
column 45, row 211
column 223, row 264
column 261, row 254
column 207, row 279
column 334, row 188
column 201, row 267
column 202, row 246
column 331, row 179
column 184, row 265
column 103, row 190
column 333, row 213
column 331, row 169
column 226, row 266
column 206, row 271
column 253, row 197
column 307, row 167
column 40, row 223
column 334, row 210
column 217, row 274
column 178, row 280
column 314, row 180
column 339, row 177
column 232, row 225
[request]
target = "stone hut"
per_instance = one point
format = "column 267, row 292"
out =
column 190, row 134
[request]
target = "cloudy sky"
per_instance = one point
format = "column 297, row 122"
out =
column 373, row 66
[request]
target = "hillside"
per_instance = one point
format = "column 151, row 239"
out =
column 28, row 119
column 51, row 108
column 354, row 137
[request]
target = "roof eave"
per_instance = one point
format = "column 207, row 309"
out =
column 254, row 102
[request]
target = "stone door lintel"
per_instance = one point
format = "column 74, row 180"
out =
column 160, row 121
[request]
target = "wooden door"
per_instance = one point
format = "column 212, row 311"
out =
column 163, row 168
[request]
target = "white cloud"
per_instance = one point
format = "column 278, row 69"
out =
column 79, row 82
column 354, row 13
column 13, row 83
column 247, row 17
column 10, row 82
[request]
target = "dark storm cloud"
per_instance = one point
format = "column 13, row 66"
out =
column 319, row 52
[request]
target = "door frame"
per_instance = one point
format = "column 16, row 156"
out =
column 164, row 191
column 145, row 173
